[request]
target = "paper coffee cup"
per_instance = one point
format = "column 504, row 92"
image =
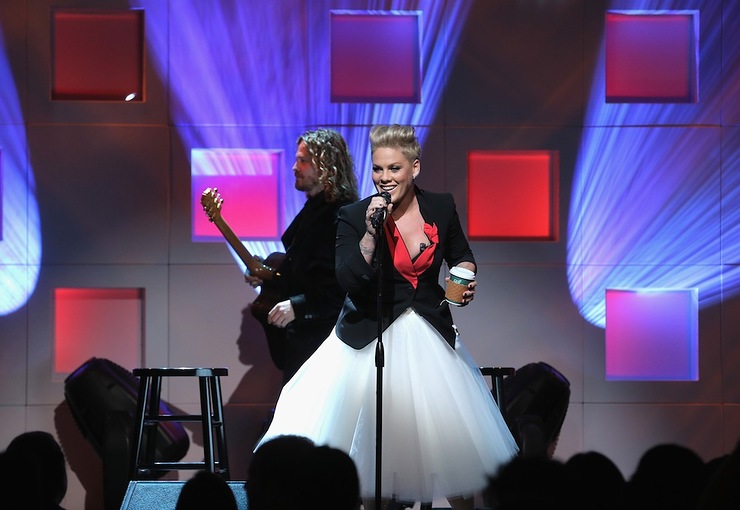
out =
column 460, row 278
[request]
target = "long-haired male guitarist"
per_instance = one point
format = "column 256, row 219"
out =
column 310, row 297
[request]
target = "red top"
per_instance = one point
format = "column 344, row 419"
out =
column 410, row 269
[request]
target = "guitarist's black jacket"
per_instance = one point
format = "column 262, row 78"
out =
column 308, row 279
column 357, row 325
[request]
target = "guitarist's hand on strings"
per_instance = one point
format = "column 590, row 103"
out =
column 281, row 314
column 254, row 281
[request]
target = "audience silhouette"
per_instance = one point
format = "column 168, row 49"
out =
column 206, row 490
column 291, row 472
column 599, row 480
column 722, row 490
column 329, row 480
column 274, row 472
column 33, row 468
column 529, row 483
column 668, row 476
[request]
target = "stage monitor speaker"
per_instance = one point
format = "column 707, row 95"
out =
column 102, row 397
column 537, row 398
column 162, row 495
column 99, row 389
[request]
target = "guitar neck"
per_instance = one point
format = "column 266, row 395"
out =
column 254, row 266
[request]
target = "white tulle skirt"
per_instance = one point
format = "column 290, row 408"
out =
column 442, row 432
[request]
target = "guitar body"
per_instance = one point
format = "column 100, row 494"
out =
column 269, row 296
column 270, row 289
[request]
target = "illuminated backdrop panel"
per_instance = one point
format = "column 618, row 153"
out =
column 375, row 57
column 99, row 322
column 248, row 179
column 652, row 58
column 98, row 54
column 513, row 195
column 652, row 334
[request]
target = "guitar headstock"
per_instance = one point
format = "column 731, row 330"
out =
column 211, row 201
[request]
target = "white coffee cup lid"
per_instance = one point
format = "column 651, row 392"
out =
column 461, row 272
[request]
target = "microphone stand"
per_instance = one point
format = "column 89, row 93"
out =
column 379, row 364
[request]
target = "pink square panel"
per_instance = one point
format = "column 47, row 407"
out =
column 652, row 57
column 375, row 57
column 513, row 195
column 105, row 323
column 652, row 334
column 247, row 180
column 98, row 55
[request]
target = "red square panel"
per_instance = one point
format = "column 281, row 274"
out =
column 513, row 195
column 652, row 58
column 247, row 180
column 105, row 323
column 98, row 55
column 375, row 58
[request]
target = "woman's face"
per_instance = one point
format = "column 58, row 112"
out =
column 393, row 173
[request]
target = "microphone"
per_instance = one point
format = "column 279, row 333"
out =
column 377, row 218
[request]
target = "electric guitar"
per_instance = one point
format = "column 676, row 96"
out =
column 269, row 294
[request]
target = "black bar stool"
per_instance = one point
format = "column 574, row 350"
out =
column 497, row 375
column 148, row 418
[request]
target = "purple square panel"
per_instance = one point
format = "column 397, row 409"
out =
column 652, row 334
column 375, row 58
column 652, row 58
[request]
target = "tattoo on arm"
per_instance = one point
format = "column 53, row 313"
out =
column 368, row 252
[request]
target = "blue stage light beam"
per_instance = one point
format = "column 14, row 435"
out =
column 441, row 27
column 255, row 77
column 20, row 233
column 652, row 205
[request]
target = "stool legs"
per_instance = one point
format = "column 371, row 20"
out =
column 212, row 411
column 148, row 418
column 151, row 422
column 218, row 414
column 207, row 421
column 139, row 427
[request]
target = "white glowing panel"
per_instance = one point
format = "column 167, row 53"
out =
column 652, row 334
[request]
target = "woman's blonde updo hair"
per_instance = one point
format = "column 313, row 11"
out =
column 395, row 136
